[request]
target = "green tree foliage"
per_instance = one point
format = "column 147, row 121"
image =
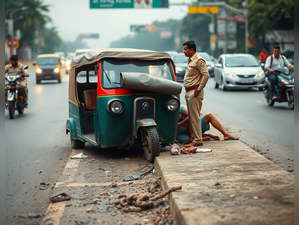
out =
column 51, row 39
column 33, row 18
column 266, row 15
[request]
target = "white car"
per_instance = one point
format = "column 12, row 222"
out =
column 81, row 51
column 238, row 71
column 69, row 58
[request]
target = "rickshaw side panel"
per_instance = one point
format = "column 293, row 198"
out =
column 167, row 121
column 114, row 128
column 75, row 126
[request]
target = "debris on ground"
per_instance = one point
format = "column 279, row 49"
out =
column 187, row 149
column 138, row 202
column 136, row 176
column 79, row 156
column 60, row 197
column 35, row 215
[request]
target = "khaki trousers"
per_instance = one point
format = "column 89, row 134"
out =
column 194, row 108
column 24, row 90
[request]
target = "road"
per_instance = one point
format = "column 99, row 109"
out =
column 246, row 114
column 37, row 148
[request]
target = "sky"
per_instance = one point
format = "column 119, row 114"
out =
column 74, row 17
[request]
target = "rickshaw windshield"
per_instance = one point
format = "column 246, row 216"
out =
column 111, row 69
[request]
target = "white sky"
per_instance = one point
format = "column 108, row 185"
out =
column 74, row 17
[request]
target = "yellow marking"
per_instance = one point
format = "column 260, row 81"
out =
column 73, row 102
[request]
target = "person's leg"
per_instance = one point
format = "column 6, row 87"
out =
column 194, row 108
column 182, row 137
column 273, row 80
column 24, row 90
column 210, row 118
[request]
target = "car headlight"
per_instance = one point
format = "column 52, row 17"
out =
column 261, row 74
column 115, row 106
column 38, row 70
column 212, row 65
column 172, row 104
column 178, row 69
column 229, row 74
column 68, row 63
column 68, row 67
column 56, row 70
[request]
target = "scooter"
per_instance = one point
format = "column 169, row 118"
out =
column 13, row 94
column 284, row 87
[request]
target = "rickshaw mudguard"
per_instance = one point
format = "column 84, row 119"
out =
column 143, row 123
column 70, row 127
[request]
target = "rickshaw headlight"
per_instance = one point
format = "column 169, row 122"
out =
column 115, row 106
column 172, row 104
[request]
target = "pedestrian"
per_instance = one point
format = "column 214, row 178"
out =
column 195, row 80
column 273, row 62
column 263, row 55
column 184, row 135
column 16, row 67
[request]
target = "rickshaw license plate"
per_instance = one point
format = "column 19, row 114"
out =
column 48, row 76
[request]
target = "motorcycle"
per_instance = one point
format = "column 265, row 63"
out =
column 284, row 87
column 13, row 94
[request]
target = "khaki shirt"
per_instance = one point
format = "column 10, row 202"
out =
column 197, row 73
column 18, row 70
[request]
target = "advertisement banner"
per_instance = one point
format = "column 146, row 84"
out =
column 279, row 36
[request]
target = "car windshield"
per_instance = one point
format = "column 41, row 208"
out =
column 70, row 57
column 47, row 61
column 80, row 53
column 111, row 69
column 180, row 59
column 241, row 61
column 205, row 56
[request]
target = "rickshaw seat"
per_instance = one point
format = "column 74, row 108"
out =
column 90, row 99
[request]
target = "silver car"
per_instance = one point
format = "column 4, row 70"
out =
column 238, row 71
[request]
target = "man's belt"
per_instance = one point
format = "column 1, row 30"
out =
column 191, row 88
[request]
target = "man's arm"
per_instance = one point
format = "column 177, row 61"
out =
column 6, row 69
column 202, row 67
column 267, row 65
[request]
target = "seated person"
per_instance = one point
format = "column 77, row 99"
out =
column 184, row 133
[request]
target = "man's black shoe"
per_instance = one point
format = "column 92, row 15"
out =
column 25, row 104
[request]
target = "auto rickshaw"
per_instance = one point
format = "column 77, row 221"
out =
column 122, row 97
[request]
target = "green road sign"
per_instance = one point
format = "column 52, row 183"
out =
column 122, row 4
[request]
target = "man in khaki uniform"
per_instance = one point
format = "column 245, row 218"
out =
column 195, row 80
column 16, row 67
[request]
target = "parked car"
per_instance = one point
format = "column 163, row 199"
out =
column 69, row 58
column 180, row 61
column 48, row 67
column 238, row 71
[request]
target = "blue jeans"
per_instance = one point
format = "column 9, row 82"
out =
column 273, row 81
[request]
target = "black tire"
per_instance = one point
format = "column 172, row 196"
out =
column 11, row 109
column 216, row 85
column 37, row 81
column 59, row 79
column 270, row 102
column 76, row 144
column 261, row 88
column 291, row 101
column 224, row 88
column 150, row 143
column 20, row 109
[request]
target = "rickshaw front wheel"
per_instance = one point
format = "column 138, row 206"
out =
column 150, row 143
column 76, row 144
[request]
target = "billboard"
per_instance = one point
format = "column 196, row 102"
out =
column 123, row 4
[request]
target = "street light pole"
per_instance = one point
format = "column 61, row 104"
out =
column 12, row 27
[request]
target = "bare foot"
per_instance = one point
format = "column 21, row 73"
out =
column 193, row 144
column 188, row 141
column 207, row 138
column 230, row 137
column 215, row 137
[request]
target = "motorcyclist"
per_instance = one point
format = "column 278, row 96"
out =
column 273, row 62
column 16, row 67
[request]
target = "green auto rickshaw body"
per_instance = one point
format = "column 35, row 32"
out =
column 124, row 80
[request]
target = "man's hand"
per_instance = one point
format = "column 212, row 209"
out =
column 196, row 93
column 26, row 75
column 271, row 70
column 179, row 125
column 291, row 67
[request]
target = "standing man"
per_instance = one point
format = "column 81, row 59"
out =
column 195, row 80
column 263, row 55
column 16, row 67
column 273, row 62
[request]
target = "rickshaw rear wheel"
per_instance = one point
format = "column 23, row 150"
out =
column 76, row 144
column 150, row 143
